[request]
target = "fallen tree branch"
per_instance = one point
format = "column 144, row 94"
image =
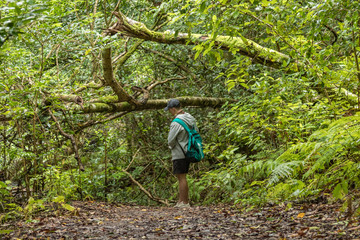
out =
column 151, row 105
column 246, row 47
column 241, row 45
column 110, row 105
column 146, row 192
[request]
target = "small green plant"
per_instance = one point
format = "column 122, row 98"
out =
column 33, row 206
column 4, row 195
column 59, row 202
column 8, row 209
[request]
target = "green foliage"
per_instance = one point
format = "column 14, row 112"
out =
column 60, row 201
column 60, row 183
column 224, row 183
column 16, row 14
column 329, row 158
column 4, row 194
column 33, row 206
column 285, row 138
column 327, row 162
column 8, row 209
column 269, row 118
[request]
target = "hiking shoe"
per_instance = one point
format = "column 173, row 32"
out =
column 182, row 205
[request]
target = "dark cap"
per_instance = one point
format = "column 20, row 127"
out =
column 172, row 103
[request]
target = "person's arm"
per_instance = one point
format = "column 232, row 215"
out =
column 175, row 128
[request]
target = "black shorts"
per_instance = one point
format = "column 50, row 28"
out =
column 181, row 166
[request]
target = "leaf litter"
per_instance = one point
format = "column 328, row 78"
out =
column 98, row 220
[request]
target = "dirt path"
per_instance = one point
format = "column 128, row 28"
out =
column 105, row 221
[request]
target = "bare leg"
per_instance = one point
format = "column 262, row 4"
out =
column 183, row 188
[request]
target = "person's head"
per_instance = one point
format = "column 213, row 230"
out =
column 173, row 106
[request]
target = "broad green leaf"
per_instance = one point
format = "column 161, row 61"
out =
column 68, row 207
column 2, row 185
column 230, row 85
column 214, row 18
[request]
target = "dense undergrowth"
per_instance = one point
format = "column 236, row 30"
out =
column 324, row 166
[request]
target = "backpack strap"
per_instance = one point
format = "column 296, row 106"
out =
column 182, row 123
column 185, row 126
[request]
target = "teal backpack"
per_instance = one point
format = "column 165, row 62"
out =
column 195, row 150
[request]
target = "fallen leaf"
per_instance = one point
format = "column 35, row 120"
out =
column 300, row 215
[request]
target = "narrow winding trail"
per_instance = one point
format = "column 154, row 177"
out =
column 96, row 220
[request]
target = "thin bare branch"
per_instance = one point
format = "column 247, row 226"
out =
column 69, row 136
column 167, row 57
column 156, row 199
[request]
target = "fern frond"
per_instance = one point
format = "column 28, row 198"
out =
column 326, row 152
column 257, row 166
column 324, row 157
column 283, row 170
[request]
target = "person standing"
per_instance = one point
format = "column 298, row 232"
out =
column 178, row 141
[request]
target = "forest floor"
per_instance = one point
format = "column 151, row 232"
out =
column 97, row 220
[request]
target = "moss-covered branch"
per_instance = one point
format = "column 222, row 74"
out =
column 109, row 78
column 112, row 106
column 151, row 105
column 258, row 53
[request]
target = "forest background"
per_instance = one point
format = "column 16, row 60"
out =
column 274, row 85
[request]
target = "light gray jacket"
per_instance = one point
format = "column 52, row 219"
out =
column 178, row 137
